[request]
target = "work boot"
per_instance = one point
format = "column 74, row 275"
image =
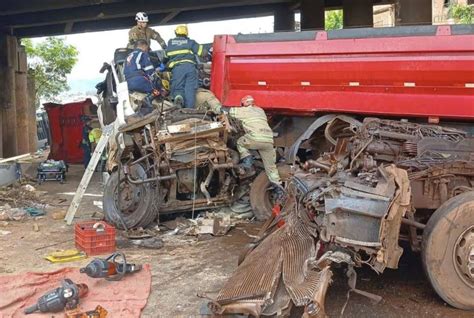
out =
column 145, row 110
column 278, row 192
column 179, row 101
column 147, row 101
column 247, row 169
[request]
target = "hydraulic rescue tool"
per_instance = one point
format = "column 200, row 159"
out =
column 113, row 267
column 65, row 297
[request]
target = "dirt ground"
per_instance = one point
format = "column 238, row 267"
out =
column 186, row 267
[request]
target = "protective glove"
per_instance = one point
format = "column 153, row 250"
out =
column 162, row 67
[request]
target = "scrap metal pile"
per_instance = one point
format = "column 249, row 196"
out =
column 348, row 206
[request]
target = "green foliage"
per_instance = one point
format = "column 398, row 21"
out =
column 333, row 20
column 49, row 62
column 462, row 14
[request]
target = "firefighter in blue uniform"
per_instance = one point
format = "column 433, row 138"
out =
column 181, row 60
column 138, row 72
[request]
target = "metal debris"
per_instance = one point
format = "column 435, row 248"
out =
column 347, row 206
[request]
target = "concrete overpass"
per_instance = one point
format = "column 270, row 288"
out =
column 33, row 18
column 30, row 18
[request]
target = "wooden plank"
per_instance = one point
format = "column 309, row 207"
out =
column 23, row 156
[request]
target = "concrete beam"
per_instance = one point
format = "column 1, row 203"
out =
column 312, row 14
column 408, row 12
column 358, row 13
column 284, row 19
column 118, row 10
column 170, row 16
column 8, row 7
column 216, row 14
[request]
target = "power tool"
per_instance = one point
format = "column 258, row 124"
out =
column 110, row 268
column 65, row 297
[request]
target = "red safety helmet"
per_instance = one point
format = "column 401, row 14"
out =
column 247, row 100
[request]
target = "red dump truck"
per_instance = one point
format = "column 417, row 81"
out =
column 353, row 109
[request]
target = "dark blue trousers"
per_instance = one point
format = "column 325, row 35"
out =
column 184, row 82
column 87, row 154
column 140, row 84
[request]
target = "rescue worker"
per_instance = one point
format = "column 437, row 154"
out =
column 207, row 101
column 138, row 71
column 142, row 32
column 85, row 143
column 94, row 136
column 258, row 136
column 181, row 60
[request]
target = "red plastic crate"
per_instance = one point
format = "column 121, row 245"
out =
column 95, row 240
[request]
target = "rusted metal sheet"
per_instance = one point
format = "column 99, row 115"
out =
column 274, row 270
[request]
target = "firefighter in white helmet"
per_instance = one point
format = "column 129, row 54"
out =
column 141, row 31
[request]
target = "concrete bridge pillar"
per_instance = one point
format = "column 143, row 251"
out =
column 8, row 65
column 358, row 13
column 312, row 15
column 409, row 12
column 21, row 97
column 284, row 19
column 32, row 128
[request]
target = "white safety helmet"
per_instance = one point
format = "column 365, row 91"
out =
column 141, row 17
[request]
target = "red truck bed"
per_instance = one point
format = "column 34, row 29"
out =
column 405, row 71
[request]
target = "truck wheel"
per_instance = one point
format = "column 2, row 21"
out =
column 448, row 251
column 261, row 199
column 135, row 201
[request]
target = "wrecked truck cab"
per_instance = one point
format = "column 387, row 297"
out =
column 381, row 182
column 173, row 161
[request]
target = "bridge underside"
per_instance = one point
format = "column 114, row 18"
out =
column 34, row 18
column 31, row 18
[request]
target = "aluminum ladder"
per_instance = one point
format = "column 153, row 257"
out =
column 86, row 178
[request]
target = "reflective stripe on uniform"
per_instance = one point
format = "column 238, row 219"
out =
column 259, row 138
column 137, row 61
column 254, row 120
column 149, row 67
column 172, row 64
column 179, row 52
column 200, row 50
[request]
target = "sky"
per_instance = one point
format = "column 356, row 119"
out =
column 98, row 47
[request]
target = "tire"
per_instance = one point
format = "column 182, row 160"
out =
column 260, row 200
column 141, row 212
column 443, row 238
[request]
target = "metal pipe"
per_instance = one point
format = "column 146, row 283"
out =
column 222, row 166
column 205, row 184
column 315, row 164
column 396, row 135
column 416, row 224
column 141, row 159
column 158, row 178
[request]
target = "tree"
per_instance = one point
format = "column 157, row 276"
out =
column 463, row 14
column 49, row 62
column 333, row 19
